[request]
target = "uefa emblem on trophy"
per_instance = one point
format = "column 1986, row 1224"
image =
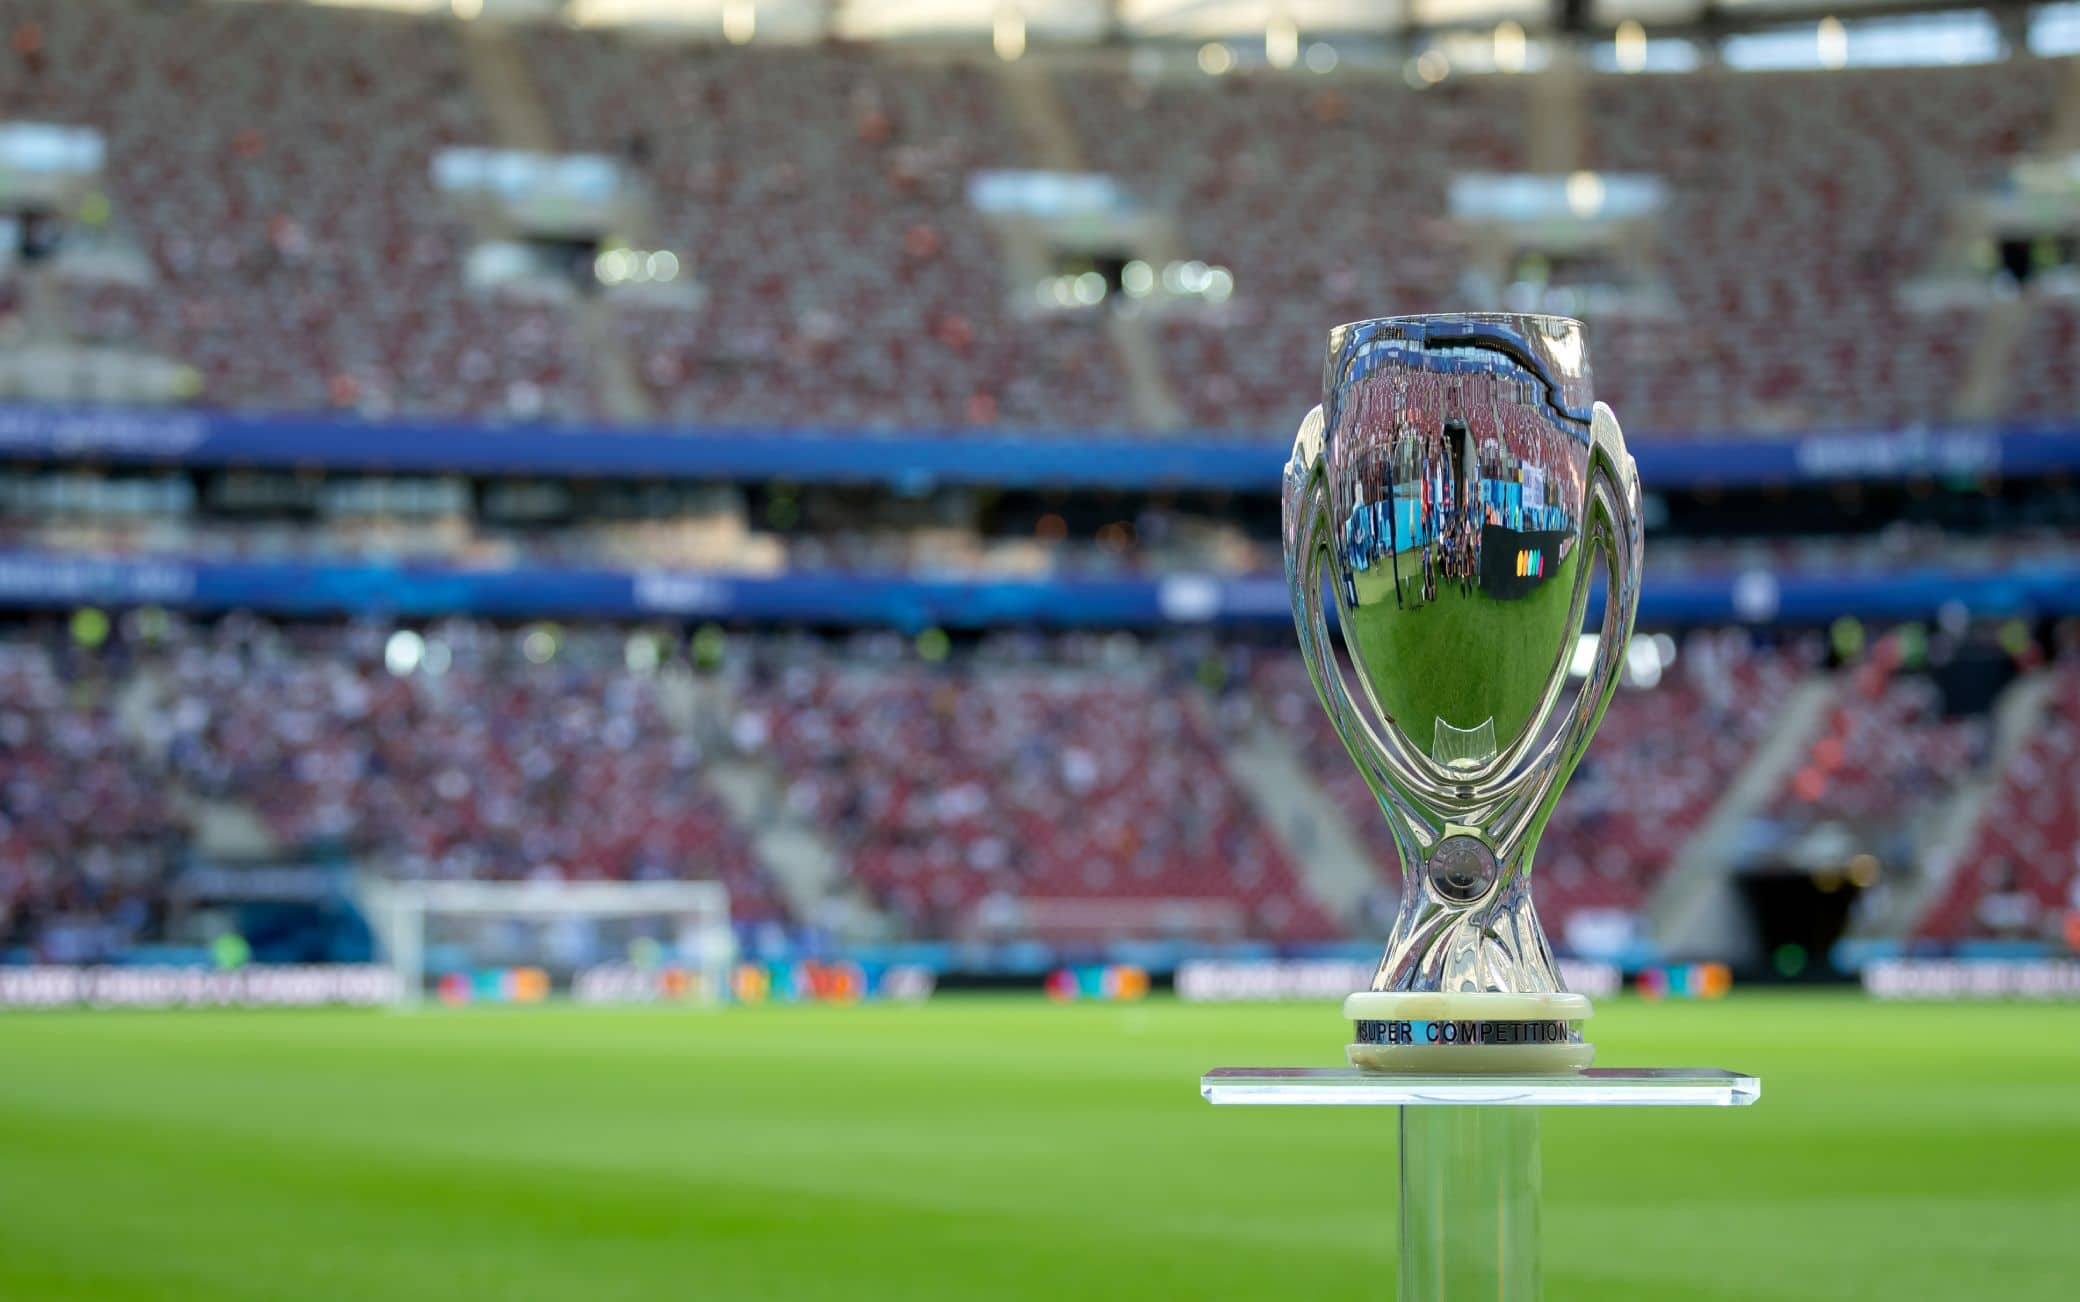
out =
column 1449, row 494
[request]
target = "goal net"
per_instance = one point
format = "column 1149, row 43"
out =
column 520, row 942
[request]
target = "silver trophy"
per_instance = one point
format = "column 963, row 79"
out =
column 1447, row 494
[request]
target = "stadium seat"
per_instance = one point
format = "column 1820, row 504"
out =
column 2023, row 851
column 1660, row 760
column 1033, row 782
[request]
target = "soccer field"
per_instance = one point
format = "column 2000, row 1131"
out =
column 991, row 1148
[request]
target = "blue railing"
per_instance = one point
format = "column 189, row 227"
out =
column 922, row 458
column 61, row 581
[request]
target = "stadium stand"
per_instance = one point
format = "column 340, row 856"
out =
column 1280, row 181
column 849, row 283
column 2047, row 392
column 87, row 830
column 1069, row 788
column 973, row 800
column 303, row 261
column 520, row 759
column 1885, row 748
column 1800, row 204
column 2022, row 871
column 1662, row 757
column 274, row 162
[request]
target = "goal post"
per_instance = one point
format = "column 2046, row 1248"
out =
column 683, row 923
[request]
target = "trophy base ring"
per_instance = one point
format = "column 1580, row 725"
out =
column 1427, row 1005
column 1439, row 1033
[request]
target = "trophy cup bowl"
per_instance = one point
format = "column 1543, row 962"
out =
column 1448, row 493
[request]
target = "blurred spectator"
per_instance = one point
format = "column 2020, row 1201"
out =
column 1659, row 762
column 470, row 752
column 2020, row 873
column 273, row 163
column 961, row 791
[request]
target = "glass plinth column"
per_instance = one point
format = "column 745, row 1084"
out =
column 1470, row 1172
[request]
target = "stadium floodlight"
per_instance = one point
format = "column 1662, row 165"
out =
column 562, row 927
column 1511, row 50
column 1451, row 493
column 1008, row 33
column 1281, row 41
column 1630, row 45
column 739, row 21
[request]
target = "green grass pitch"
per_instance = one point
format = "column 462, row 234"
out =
column 992, row 1149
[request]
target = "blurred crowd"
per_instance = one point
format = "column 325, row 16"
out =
column 1669, row 743
column 272, row 164
column 464, row 752
column 270, row 167
column 1885, row 745
column 1076, row 787
column 88, row 831
column 976, row 798
column 2019, row 877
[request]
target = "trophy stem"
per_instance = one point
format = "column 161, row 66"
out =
column 1470, row 1188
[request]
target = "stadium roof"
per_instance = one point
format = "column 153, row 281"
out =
column 1071, row 22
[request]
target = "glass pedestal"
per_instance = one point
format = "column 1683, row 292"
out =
column 1470, row 1176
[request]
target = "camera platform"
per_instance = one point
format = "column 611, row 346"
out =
column 1471, row 1178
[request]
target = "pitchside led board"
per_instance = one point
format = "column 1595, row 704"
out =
column 1450, row 495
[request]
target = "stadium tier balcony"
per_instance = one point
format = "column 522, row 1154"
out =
column 2020, row 875
column 981, row 803
column 1897, row 548
column 819, row 198
column 272, row 163
column 1659, row 762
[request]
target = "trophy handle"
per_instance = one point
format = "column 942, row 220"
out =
column 1306, row 523
column 1513, row 822
column 1612, row 524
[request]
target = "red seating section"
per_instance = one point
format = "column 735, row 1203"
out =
column 495, row 768
column 1800, row 202
column 1883, row 750
column 1658, row 764
column 272, row 161
column 1327, row 202
column 820, row 197
column 87, row 832
column 946, row 788
column 2047, row 382
column 2027, row 844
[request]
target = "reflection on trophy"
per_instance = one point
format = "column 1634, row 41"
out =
column 1449, row 494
